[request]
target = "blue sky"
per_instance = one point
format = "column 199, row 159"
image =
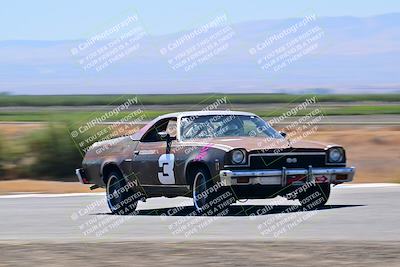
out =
column 73, row 19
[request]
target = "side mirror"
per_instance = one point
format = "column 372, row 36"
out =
column 283, row 134
column 163, row 135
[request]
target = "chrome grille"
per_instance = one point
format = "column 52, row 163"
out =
column 288, row 160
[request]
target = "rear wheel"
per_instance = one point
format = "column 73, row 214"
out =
column 316, row 196
column 121, row 198
column 209, row 198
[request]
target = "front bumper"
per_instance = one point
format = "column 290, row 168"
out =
column 280, row 177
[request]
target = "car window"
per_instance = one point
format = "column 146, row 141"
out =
column 248, row 126
column 152, row 134
column 225, row 126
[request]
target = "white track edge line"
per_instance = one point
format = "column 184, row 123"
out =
column 38, row 195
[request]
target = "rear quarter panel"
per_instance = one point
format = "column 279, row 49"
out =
column 114, row 151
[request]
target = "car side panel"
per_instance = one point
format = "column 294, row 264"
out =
column 145, row 163
column 122, row 155
column 118, row 152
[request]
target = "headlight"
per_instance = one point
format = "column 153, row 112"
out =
column 238, row 157
column 335, row 155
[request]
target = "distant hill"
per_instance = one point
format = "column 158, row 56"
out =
column 353, row 55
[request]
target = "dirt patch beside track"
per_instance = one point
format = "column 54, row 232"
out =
column 33, row 186
column 202, row 253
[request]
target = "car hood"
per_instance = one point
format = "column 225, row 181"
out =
column 262, row 143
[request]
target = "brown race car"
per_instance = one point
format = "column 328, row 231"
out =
column 215, row 157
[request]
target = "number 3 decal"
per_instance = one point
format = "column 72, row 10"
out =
column 166, row 169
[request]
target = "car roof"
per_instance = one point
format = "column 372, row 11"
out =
column 205, row 113
column 138, row 135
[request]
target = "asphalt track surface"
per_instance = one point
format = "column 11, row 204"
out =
column 354, row 212
column 359, row 227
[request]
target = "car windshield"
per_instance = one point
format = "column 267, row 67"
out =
column 225, row 126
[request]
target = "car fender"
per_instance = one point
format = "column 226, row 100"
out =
column 212, row 158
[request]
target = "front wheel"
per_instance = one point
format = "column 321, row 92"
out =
column 209, row 198
column 316, row 196
column 121, row 198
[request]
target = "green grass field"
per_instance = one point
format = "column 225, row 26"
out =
column 201, row 99
column 80, row 116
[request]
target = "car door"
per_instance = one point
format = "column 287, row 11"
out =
column 153, row 164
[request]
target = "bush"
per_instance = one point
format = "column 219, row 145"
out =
column 54, row 152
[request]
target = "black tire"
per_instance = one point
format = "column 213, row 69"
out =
column 121, row 198
column 209, row 199
column 316, row 196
